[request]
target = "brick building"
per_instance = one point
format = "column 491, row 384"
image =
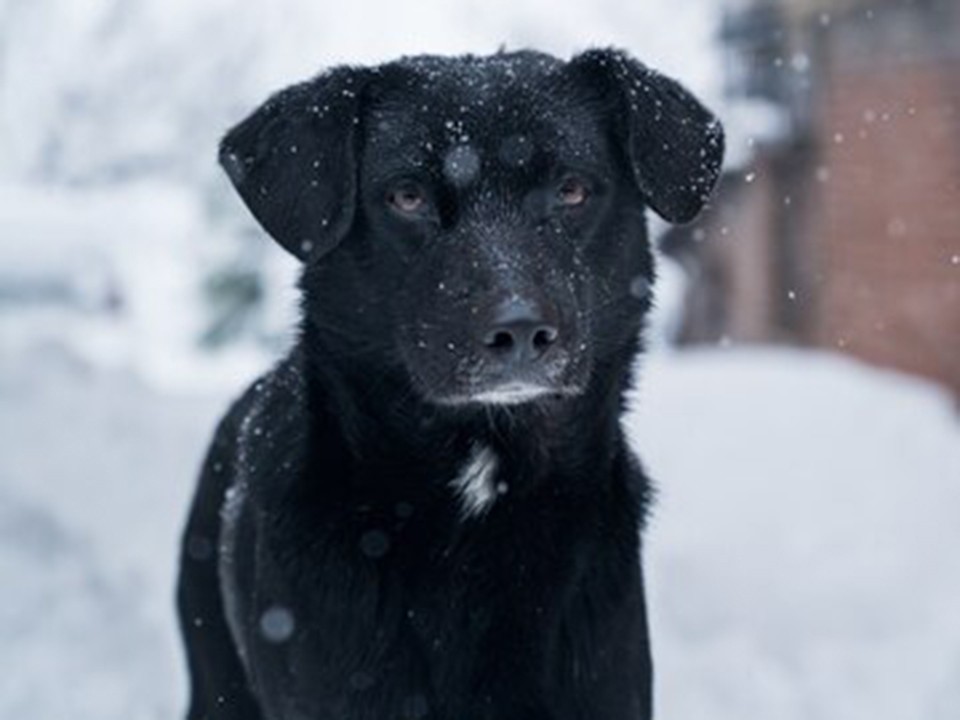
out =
column 844, row 231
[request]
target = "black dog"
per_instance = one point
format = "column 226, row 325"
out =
column 429, row 510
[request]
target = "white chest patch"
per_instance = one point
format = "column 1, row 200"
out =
column 474, row 483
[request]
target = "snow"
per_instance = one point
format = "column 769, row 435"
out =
column 461, row 165
column 116, row 275
column 803, row 555
column 277, row 624
column 801, row 559
column 95, row 473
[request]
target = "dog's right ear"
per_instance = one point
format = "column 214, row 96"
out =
column 293, row 161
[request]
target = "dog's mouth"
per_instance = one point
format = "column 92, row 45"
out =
column 514, row 393
column 511, row 393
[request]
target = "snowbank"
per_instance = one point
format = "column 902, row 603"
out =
column 803, row 554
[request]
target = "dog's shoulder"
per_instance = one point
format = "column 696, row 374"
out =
column 263, row 423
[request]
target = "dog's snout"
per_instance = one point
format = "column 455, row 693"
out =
column 521, row 331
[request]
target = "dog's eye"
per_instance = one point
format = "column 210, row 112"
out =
column 572, row 192
column 407, row 198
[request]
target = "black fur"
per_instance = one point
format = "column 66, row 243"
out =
column 349, row 581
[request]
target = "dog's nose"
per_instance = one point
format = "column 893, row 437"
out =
column 520, row 332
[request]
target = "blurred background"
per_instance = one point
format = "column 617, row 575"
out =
column 798, row 408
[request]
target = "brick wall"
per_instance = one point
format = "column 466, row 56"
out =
column 885, row 240
column 846, row 235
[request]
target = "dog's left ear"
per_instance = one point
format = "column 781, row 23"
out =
column 675, row 144
column 293, row 161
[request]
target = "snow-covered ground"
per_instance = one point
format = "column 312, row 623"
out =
column 802, row 561
column 95, row 472
column 805, row 552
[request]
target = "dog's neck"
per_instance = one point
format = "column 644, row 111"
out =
column 376, row 422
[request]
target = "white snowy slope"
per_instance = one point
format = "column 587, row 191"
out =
column 801, row 560
column 803, row 555
column 95, row 475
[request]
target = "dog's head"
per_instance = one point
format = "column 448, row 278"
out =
column 475, row 224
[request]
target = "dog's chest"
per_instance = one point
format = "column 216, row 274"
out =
column 383, row 609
